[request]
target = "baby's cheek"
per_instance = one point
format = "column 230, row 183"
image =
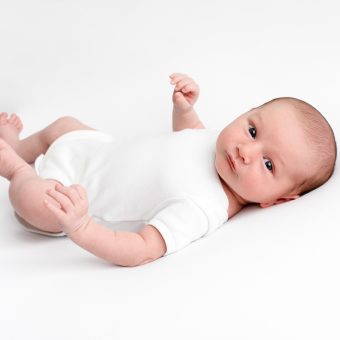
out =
column 253, row 189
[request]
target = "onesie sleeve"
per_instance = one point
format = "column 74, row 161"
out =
column 180, row 222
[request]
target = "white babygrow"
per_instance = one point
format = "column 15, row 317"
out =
column 167, row 180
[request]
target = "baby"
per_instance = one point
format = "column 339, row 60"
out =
column 133, row 200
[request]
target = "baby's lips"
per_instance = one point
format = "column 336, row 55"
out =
column 231, row 162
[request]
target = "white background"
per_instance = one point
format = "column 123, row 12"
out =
column 268, row 273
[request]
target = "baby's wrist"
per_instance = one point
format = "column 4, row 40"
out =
column 80, row 228
column 182, row 112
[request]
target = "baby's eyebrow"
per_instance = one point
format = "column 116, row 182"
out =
column 259, row 118
column 256, row 119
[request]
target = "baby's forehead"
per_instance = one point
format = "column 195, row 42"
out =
column 281, row 108
column 281, row 119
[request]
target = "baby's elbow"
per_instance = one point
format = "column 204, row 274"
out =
column 135, row 260
column 147, row 246
column 140, row 261
column 148, row 256
column 148, row 260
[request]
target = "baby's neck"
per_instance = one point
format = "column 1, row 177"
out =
column 236, row 203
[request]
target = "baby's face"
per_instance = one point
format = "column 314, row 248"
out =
column 263, row 155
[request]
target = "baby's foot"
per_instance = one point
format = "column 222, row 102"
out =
column 10, row 129
column 10, row 162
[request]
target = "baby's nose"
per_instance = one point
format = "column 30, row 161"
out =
column 249, row 152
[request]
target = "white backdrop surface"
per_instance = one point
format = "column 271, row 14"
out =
column 268, row 273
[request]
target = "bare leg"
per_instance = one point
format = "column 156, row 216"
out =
column 33, row 146
column 27, row 190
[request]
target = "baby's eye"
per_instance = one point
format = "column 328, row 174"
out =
column 268, row 164
column 252, row 131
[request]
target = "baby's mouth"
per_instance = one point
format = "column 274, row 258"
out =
column 231, row 162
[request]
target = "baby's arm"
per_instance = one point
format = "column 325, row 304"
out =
column 118, row 247
column 185, row 95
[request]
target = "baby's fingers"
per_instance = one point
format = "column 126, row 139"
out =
column 71, row 192
column 61, row 198
column 191, row 87
column 175, row 77
column 182, row 83
column 60, row 215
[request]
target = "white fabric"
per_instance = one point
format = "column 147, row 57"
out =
column 166, row 180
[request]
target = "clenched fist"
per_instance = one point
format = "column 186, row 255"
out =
column 185, row 93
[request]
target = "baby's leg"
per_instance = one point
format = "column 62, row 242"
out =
column 27, row 191
column 33, row 146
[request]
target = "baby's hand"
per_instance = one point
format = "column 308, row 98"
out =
column 73, row 213
column 185, row 94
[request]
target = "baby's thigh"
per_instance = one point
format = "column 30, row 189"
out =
column 61, row 126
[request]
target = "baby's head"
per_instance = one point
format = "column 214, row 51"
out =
column 276, row 152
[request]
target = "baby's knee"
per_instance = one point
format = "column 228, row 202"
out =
column 29, row 205
column 61, row 126
column 67, row 122
column 39, row 220
column 53, row 229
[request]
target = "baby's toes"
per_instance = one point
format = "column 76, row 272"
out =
column 3, row 118
column 19, row 124
column 16, row 121
column 12, row 118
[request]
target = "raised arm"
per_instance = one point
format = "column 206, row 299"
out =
column 118, row 247
column 184, row 97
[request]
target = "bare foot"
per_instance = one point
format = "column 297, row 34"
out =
column 10, row 128
column 10, row 162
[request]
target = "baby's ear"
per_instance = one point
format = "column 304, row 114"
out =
column 279, row 201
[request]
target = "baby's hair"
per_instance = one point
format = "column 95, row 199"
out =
column 321, row 138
